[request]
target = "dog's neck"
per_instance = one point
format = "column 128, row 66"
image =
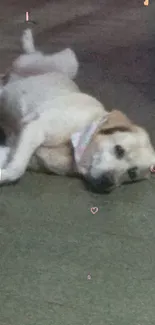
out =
column 81, row 140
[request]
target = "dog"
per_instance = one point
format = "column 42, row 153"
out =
column 52, row 126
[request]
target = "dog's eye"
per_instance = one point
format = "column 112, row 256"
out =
column 119, row 151
column 132, row 172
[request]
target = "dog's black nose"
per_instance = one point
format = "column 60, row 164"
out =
column 104, row 183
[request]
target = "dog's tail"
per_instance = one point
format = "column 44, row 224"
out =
column 28, row 41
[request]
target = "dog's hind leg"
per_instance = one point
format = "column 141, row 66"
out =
column 29, row 140
column 28, row 42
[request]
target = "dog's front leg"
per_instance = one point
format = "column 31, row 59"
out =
column 29, row 140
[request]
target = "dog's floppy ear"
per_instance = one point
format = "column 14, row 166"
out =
column 116, row 121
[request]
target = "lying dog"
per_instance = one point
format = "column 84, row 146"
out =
column 52, row 126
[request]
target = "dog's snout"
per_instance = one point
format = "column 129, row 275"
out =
column 104, row 183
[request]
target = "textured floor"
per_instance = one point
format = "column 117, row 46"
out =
column 49, row 240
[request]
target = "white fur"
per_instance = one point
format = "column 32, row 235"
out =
column 35, row 103
column 28, row 42
column 4, row 154
column 36, row 62
column 44, row 110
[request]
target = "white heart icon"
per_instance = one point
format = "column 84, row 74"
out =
column 94, row 210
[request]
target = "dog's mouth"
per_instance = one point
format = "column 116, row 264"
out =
column 100, row 185
column 106, row 183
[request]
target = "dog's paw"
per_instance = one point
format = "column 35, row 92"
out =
column 8, row 176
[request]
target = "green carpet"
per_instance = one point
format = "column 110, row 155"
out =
column 51, row 242
column 49, row 239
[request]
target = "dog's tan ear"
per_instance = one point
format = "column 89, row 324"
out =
column 116, row 121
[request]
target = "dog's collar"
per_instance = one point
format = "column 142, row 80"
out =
column 80, row 140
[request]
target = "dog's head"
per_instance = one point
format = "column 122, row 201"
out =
column 119, row 152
